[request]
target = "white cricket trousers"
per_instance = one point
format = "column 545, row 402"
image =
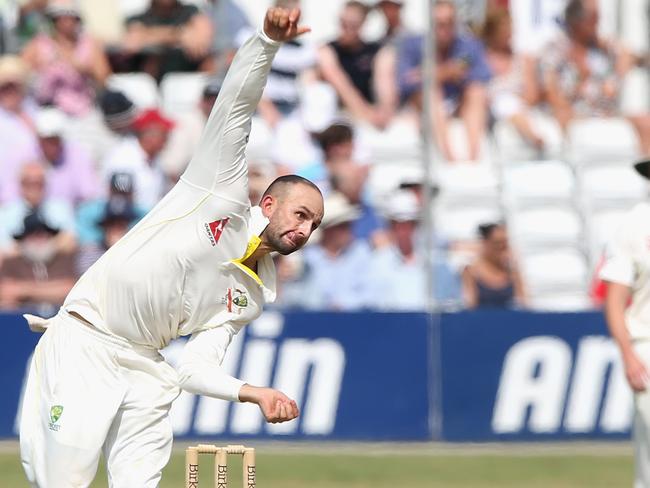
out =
column 641, row 431
column 89, row 392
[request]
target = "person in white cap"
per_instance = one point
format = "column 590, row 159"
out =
column 396, row 275
column 627, row 308
column 335, row 267
column 197, row 265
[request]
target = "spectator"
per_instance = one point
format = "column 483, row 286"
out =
column 493, row 281
column 461, row 72
column 385, row 62
column 89, row 214
column 58, row 214
column 343, row 174
column 295, row 142
column 294, row 60
column 335, row 268
column 17, row 137
column 69, row 63
column 392, row 11
column 116, row 120
column 32, row 21
column 227, row 20
column 513, row 89
column 168, row 36
column 71, row 172
column 582, row 73
column 118, row 216
column 397, row 272
column 40, row 276
column 118, row 112
column 185, row 137
column 346, row 63
column 138, row 156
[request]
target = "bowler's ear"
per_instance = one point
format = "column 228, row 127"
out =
column 268, row 204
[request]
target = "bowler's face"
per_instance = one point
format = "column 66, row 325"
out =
column 294, row 217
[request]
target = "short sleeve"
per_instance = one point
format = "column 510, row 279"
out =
column 619, row 264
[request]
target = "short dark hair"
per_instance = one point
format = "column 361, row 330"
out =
column 485, row 230
column 279, row 185
column 337, row 133
column 574, row 12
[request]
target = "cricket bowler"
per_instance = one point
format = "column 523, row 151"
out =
column 197, row 265
column 627, row 273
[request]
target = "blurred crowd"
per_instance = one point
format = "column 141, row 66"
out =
column 81, row 162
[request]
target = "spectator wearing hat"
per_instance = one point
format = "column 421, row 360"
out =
column 89, row 214
column 185, row 137
column 71, row 173
column 139, row 156
column 335, row 268
column 33, row 198
column 168, row 36
column 68, row 63
column 347, row 64
column 40, row 276
column 117, row 218
column 397, row 278
column 462, row 74
column 118, row 111
column 493, row 280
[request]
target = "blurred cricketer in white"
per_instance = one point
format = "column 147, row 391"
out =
column 198, row 264
column 627, row 273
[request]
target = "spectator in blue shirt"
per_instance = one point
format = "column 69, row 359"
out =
column 334, row 275
column 396, row 273
column 461, row 76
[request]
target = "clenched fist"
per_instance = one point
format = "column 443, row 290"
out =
column 275, row 405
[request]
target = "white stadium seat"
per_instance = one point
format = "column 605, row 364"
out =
column 601, row 140
column 467, row 181
column 559, row 270
column 181, row 92
column 512, row 147
column 545, row 226
column 546, row 181
column 461, row 223
column 613, row 182
column 140, row 88
column 400, row 141
column 561, row 302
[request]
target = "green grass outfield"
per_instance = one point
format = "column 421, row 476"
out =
column 410, row 466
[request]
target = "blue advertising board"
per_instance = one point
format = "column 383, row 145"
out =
column 530, row 376
column 470, row 376
column 355, row 376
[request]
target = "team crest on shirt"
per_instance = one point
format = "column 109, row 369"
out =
column 215, row 229
column 55, row 414
column 235, row 300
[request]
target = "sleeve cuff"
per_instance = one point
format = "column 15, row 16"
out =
column 262, row 35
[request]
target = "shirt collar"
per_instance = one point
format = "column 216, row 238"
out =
column 265, row 276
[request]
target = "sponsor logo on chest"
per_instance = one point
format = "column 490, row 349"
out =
column 235, row 300
column 215, row 229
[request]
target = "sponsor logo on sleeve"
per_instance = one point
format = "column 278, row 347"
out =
column 215, row 229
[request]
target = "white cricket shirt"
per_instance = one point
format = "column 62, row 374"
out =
column 179, row 271
column 628, row 263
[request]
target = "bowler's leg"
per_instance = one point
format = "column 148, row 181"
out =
column 67, row 409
